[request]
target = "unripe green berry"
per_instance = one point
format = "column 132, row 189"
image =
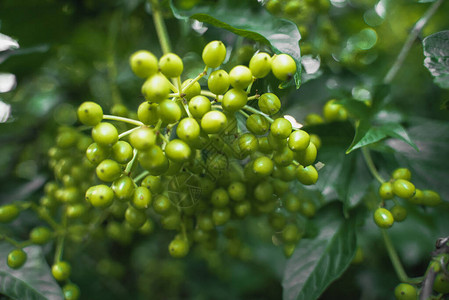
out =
column 283, row 67
column 403, row 188
column 171, row 65
column 218, row 82
column 269, row 103
column 143, row 63
column 298, row 140
column 188, row 130
column 399, row 213
column 405, row 291
column 105, row 134
column 16, row 258
column 260, row 64
column 430, row 198
column 71, row 291
column 192, row 91
column 402, row 173
column 177, row 151
column 90, row 113
column 40, row 235
column 240, row 77
column 386, row 191
column 142, row 138
column 199, row 106
column 214, row 122
column 156, row 88
column 61, row 270
column 307, row 175
column 214, row 54
column 257, row 124
column 8, row 213
column 169, row 111
column 263, row 166
column 100, row 195
column 234, row 100
column 147, row 113
column 178, row 248
column 334, row 112
column 282, row 128
column 122, row 152
column 141, row 198
column 108, row 170
column 383, row 218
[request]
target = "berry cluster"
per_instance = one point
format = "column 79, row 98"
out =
column 400, row 186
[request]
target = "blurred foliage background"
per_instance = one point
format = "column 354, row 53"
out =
column 78, row 50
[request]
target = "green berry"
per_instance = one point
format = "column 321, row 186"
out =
column 383, row 218
column 162, row 205
column 430, row 198
column 61, row 270
column 218, row 82
column 283, row 157
column 441, row 284
column 399, row 213
column 156, row 88
column 292, row 202
column 237, row 191
column 283, row 67
column 96, row 153
column 188, row 130
column 298, row 140
column 263, row 166
column 122, row 152
column 308, row 156
column 153, row 160
column 40, row 235
column 263, row 191
column 177, row 151
column 171, row 65
column 154, row 183
column 108, row 170
column 403, row 188
column 334, row 112
column 313, row 119
column 147, row 113
column 308, row 209
column 71, row 291
column 8, row 213
column 386, row 191
column 214, row 122
column 123, row 188
column 90, row 113
column 257, row 124
column 307, row 175
column 143, row 63
column 248, row 144
column 260, row 64
column 281, row 128
column 214, row 54
column 178, row 248
column 134, row 217
column 199, row 106
column 405, row 291
column 291, row 233
column 100, row 196
column 242, row 209
column 240, row 77
column 221, row 215
column 16, row 258
column 105, row 134
column 269, row 103
column 141, row 198
column 402, row 173
column 142, row 138
column 417, row 198
column 234, row 100
column 220, row 198
column 169, row 111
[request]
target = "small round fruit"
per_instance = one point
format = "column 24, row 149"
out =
column 403, row 188
column 90, row 113
column 141, row 198
column 123, row 188
column 383, row 218
column 430, row 198
column 260, row 64
column 405, row 291
column 281, row 128
column 171, row 65
column 192, row 91
column 240, row 77
column 214, row 54
column 283, row 66
column 402, row 173
column 147, row 113
column 100, row 195
column 441, row 284
column 142, row 138
column 134, row 217
column 178, row 248
column 177, row 151
column 399, row 213
column 214, row 122
column 156, row 88
column 61, row 270
column 143, row 63
column 234, row 100
column 8, row 213
column 16, row 258
column 108, row 170
column 169, row 111
column 334, row 112
column 199, row 106
column 257, row 124
column 122, row 152
column 105, row 134
column 269, row 103
column 218, row 82
column 386, row 191
column 71, row 291
column 188, row 129
column 96, row 153
column 298, row 140
column 263, row 166
column 307, row 175
column 40, row 235
column 237, row 191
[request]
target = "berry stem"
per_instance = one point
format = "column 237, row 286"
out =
column 122, row 119
column 192, row 82
column 419, row 25
column 11, row 241
column 371, row 166
column 125, row 133
column 256, row 111
column 244, row 113
column 60, row 240
column 46, row 217
column 141, row 176
column 211, row 95
column 159, row 24
column 130, row 165
column 397, row 265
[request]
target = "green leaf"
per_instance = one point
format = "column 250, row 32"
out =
column 33, row 281
column 436, row 50
column 258, row 25
column 366, row 135
column 316, row 263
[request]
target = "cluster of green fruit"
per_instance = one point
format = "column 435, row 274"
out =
column 299, row 11
column 332, row 112
column 400, row 186
column 190, row 158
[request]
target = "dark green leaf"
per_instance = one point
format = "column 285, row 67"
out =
column 33, row 281
column 258, row 25
column 318, row 262
column 367, row 135
column 436, row 50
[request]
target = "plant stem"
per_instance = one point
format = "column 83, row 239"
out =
column 60, row 240
column 11, row 241
column 141, row 176
column 419, row 25
column 160, row 26
column 256, row 111
column 397, row 265
column 122, row 119
column 125, row 133
column 371, row 166
column 129, row 166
